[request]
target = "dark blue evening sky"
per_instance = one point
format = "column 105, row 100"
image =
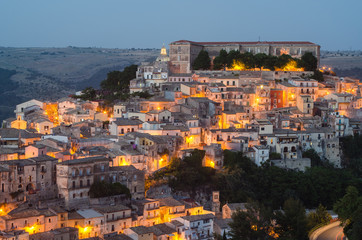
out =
column 150, row 23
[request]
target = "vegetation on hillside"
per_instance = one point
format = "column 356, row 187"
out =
column 244, row 61
column 349, row 210
column 5, row 80
column 106, row 189
column 185, row 175
column 352, row 153
column 114, row 87
column 320, row 186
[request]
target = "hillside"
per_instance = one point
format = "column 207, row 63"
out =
column 343, row 63
column 52, row 73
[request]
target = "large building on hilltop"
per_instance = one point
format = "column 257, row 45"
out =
column 184, row 52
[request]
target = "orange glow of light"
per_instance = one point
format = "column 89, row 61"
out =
column 284, row 51
column 212, row 164
column 51, row 110
column 3, row 211
column 32, row 229
column 209, row 162
column 189, row 139
column 158, row 108
column 124, row 163
column 83, row 231
column 261, row 87
column 290, row 66
column 238, row 66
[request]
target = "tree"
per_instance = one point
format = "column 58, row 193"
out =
column 253, row 224
column 232, row 55
column 118, row 81
column 320, row 216
column 349, row 210
column 260, row 59
column 274, row 156
column 105, row 189
column 88, row 93
column 352, row 151
column 314, row 157
column 283, row 60
column 221, row 61
column 292, row 221
column 202, row 61
column 270, row 62
column 309, row 62
column 248, row 59
column 318, row 75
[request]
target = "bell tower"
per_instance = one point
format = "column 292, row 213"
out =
column 216, row 202
column 163, row 50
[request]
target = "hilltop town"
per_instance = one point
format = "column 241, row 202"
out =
column 99, row 164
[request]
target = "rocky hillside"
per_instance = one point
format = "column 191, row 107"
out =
column 52, row 73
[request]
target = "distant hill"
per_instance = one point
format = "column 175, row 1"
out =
column 52, row 73
column 343, row 63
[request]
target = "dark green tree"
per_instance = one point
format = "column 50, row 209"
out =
column 118, row 81
column 260, row 60
column 224, row 236
column 352, row 151
column 318, row 75
column 221, row 61
column 270, row 62
column 309, row 62
column 248, row 59
column 254, row 223
column 275, row 155
column 283, row 60
column 233, row 55
column 320, row 216
column 106, row 189
column 349, row 210
column 202, row 61
column 292, row 221
column 88, row 93
column 314, row 157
